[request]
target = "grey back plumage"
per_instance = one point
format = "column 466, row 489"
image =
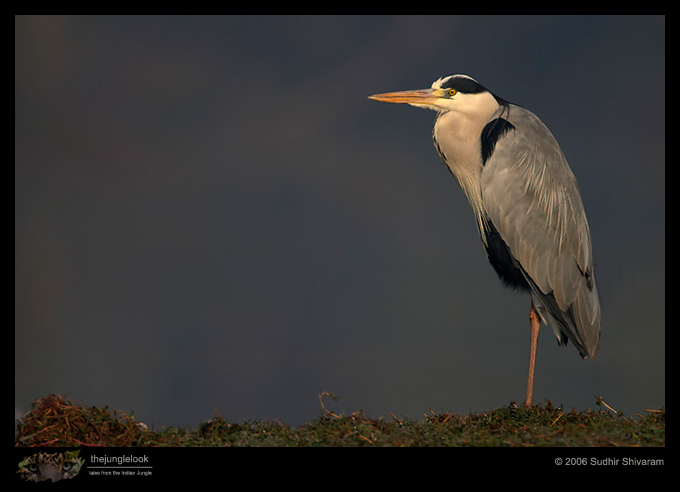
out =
column 532, row 199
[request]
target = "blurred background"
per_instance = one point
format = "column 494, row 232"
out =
column 211, row 216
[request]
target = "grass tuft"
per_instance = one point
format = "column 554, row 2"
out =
column 56, row 421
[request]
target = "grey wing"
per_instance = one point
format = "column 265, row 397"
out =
column 532, row 199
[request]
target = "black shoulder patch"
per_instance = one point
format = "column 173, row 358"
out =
column 493, row 130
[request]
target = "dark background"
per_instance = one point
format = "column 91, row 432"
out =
column 211, row 216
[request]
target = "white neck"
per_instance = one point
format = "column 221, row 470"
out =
column 457, row 133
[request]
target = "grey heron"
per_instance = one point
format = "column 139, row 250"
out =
column 526, row 203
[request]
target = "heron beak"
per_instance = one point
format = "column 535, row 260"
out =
column 424, row 97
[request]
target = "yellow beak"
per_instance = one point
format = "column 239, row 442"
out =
column 418, row 96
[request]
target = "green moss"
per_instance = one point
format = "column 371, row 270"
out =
column 56, row 421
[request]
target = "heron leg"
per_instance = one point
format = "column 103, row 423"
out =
column 535, row 320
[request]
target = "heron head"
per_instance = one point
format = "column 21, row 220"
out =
column 459, row 93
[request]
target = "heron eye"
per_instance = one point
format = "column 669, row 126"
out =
column 452, row 92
